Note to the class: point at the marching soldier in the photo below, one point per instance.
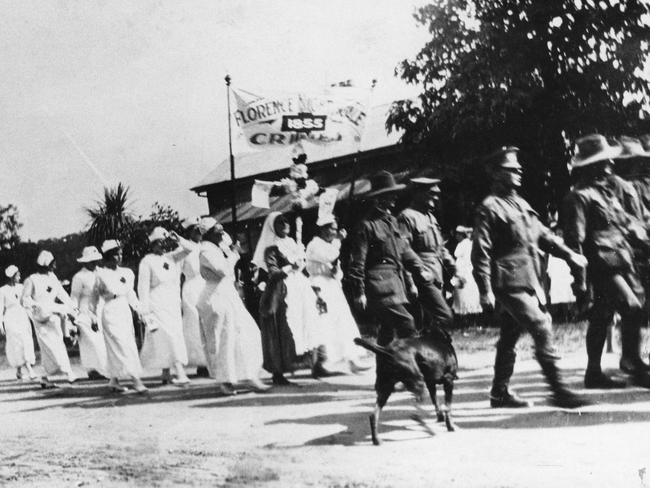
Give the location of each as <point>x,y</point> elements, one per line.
<point>597,224</point>
<point>505,254</point>
<point>378,257</point>
<point>420,228</point>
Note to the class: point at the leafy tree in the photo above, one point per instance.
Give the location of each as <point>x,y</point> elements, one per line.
<point>111,217</point>
<point>536,74</point>
<point>9,226</point>
<point>161,215</point>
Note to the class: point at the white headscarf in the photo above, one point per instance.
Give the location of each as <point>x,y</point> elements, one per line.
<point>287,246</point>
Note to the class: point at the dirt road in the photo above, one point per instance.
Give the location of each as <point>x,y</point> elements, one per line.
<point>317,435</point>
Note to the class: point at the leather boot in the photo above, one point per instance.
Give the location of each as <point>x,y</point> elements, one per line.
<point>631,361</point>
<point>504,365</point>
<point>565,398</point>
<point>508,399</point>
<point>596,379</point>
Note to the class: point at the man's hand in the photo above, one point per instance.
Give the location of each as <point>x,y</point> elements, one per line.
<point>487,301</point>
<point>361,302</point>
<point>577,261</point>
<point>343,234</point>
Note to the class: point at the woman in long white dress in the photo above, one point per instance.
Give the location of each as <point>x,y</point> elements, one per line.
<point>233,345</point>
<point>337,327</point>
<point>159,291</point>
<point>16,326</point>
<point>466,295</point>
<point>40,294</point>
<point>192,287</point>
<point>92,350</point>
<point>288,313</point>
<point>114,287</point>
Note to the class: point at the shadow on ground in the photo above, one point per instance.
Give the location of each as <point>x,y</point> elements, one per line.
<point>471,411</point>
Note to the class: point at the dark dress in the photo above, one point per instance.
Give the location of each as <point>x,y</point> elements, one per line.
<point>278,346</point>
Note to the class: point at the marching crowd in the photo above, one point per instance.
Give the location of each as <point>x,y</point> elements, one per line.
<point>396,269</point>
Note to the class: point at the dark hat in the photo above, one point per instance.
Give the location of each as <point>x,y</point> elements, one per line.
<point>383,182</point>
<point>631,147</point>
<point>504,158</point>
<point>425,183</point>
<point>592,149</point>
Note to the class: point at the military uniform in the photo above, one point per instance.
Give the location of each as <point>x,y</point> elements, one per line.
<point>378,258</point>
<point>597,223</point>
<point>506,247</point>
<point>422,232</point>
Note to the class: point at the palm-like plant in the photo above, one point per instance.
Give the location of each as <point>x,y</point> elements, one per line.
<point>111,218</point>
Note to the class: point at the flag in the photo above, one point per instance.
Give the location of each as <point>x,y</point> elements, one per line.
<point>260,194</point>
<point>326,202</point>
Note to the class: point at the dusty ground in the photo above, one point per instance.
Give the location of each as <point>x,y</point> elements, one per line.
<point>317,435</point>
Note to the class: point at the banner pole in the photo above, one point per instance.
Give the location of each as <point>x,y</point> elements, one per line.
<point>233,201</point>
<point>355,161</point>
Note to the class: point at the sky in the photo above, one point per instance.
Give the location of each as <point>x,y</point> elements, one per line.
<point>98,92</point>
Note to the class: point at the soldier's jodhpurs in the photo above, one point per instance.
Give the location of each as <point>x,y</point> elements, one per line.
<point>433,302</point>
<point>394,320</point>
<point>624,294</point>
<point>515,312</point>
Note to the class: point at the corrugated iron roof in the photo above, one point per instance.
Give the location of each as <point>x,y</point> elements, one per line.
<point>265,161</point>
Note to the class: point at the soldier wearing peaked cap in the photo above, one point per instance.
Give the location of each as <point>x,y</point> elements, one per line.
<point>420,228</point>
<point>597,224</point>
<point>505,255</point>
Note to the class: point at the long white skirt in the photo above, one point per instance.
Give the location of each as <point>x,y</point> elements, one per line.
<point>191,326</point>
<point>122,358</point>
<point>467,299</point>
<point>337,328</point>
<point>92,348</point>
<point>233,344</point>
<point>20,345</point>
<point>165,346</point>
<point>54,355</point>
<point>302,314</point>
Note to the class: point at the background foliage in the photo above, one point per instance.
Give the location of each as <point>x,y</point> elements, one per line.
<point>527,73</point>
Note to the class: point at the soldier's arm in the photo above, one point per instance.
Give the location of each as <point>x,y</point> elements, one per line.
<point>482,251</point>
<point>358,253</point>
<point>575,232</point>
<point>554,245</point>
<point>413,264</point>
<point>575,221</point>
<point>405,226</point>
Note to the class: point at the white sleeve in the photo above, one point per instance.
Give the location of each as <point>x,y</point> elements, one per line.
<point>76,288</point>
<point>144,284</point>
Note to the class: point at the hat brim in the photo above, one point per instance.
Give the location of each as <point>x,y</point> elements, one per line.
<point>90,260</point>
<point>623,157</point>
<point>384,191</point>
<point>610,153</point>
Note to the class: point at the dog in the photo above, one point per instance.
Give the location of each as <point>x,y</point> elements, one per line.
<point>418,362</point>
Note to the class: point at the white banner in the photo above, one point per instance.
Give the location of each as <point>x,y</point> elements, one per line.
<point>336,115</point>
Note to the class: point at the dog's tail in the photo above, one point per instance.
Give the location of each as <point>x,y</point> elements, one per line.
<point>372,346</point>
